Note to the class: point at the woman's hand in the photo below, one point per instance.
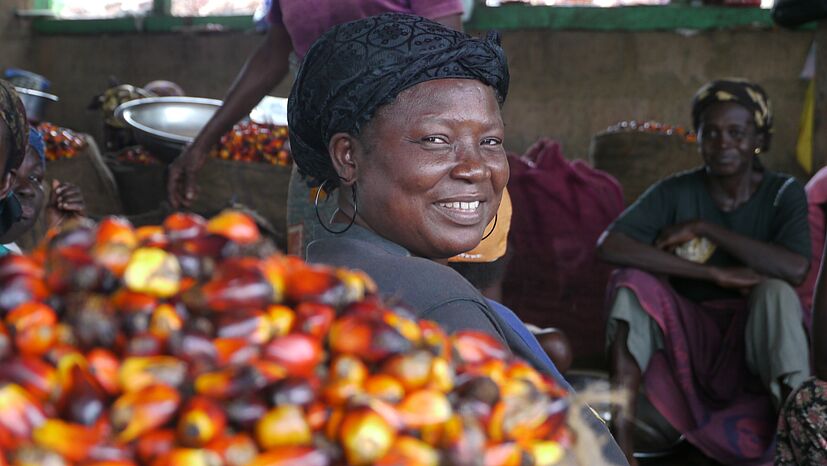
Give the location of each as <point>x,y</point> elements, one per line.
<point>675,235</point>
<point>65,201</point>
<point>741,278</point>
<point>181,186</point>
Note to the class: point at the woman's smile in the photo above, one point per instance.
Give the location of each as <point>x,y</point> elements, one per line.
<point>463,213</point>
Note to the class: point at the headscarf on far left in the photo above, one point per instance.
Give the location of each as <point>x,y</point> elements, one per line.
<point>13,115</point>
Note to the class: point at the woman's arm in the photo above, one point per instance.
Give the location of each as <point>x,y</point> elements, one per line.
<point>620,249</point>
<point>765,258</point>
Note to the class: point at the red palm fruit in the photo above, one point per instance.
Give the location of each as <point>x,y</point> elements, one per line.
<point>34,327</point>
<point>164,321</point>
<point>15,265</point>
<point>235,226</point>
<point>436,340</point>
<point>126,300</point>
<point>346,379</point>
<point>408,327</point>
<point>283,426</point>
<point>235,351</point>
<point>143,344</point>
<point>72,268</point>
<point>314,319</point>
<point>357,284</point>
<point>104,367</point>
<point>123,462</point>
<point>20,414</point>
<point>245,292</point>
<point>410,451</point>
<point>253,326</point>
<point>73,441</point>
<point>234,450</point>
<point>369,338</point>
<point>505,454</point>
<point>200,421</point>
<point>194,347</point>
<point>139,372</point>
<point>424,408</point>
<point>493,369</point>
<point>274,270</point>
<point>463,440</point>
<point>299,354</point>
<point>82,401</point>
<point>152,236</point>
<point>35,376</point>
<point>153,271</point>
<point>317,416</point>
<point>314,284</point>
<point>412,369</point>
<point>154,444</point>
<point>183,226</point>
<point>93,320</point>
<point>476,347</point>
<point>384,387</point>
<point>365,436</point>
<point>234,381</point>
<point>282,319</point>
<point>19,289</point>
<point>291,456</point>
<point>138,412</point>
<point>114,244</point>
<point>188,457</point>
<point>298,391</point>
<point>244,412</point>
<point>5,342</point>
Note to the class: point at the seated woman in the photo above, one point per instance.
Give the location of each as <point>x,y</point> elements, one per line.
<point>802,428</point>
<point>404,115</point>
<point>65,199</point>
<point>718,337</point>
<point>14,136</point>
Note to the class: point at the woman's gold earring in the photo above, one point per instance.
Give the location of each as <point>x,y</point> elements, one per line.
<point>757,150</point>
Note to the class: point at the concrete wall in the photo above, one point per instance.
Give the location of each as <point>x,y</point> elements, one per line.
<point>565,84</point>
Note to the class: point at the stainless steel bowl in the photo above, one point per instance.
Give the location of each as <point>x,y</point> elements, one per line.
<point>165,125</point>
<point>35,102</point>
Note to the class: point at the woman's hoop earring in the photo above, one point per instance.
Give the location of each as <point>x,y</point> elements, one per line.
<point>319,217</point>
<point>757,150</point>
<point>494,227</point>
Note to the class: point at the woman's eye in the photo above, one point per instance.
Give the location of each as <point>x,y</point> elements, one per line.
<point>435,140</point>
<point>35,179</point>
<point>491,142</point>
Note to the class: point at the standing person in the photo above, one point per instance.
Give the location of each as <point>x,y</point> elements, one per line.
<point>294,25</point>
<point>14,138</point>
<point>706,311</point>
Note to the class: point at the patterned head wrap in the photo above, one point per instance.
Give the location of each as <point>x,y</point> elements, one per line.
<point>14,116</point>
<point>742,92</point>
<point>36,143</point>
<point>354,68</point>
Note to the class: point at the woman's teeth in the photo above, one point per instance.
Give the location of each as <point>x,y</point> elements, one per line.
<point>473,205</point>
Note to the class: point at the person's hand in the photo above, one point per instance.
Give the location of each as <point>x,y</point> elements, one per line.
<point>181,187</point>
<point>675,235</point>
<point>65,201</point>
<point>740,278</point>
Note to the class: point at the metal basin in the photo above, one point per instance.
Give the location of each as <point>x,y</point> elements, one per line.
<point>271,110</point>
<point>165,125</point>
<point>35,102</point>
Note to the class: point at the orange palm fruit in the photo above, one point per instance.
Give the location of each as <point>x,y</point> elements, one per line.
<point>139,372</point>
<point>188,457</point>
<point>151,236</point>
<point>282,426</point>
<point>291,456</point>
<point>425,408</point>
<point>234,450</point>
<point>546,453</point>
<point>235,226</point>
<point>73,441</point>
<point>114,244</point>
<point>235,351</point>
<point>504,454</point>
<point>384,387</point>
<point>442,375</point>
<point>476,347</point>
<point>34,327</point>
<point>406,325</point>
<point>412,369</point>
<point>314,284</point>
<point>110,463</point>
<point>253,326</point>
<point>164,321</point>
<point>180,226</point>
<point>6,344</point>
<point>231,382</point>
<point>274,270</point>
<point>299,354</point>
<point>153,444</point>
<point>346,378</point>
<point>365,436</point>
<point>37,377</point>
<point>20,414</point>
<point>243,292</point>
<point>368,337</point>
<point>19,289</point>
<point>282,319</point>
<point>410,451</point>
<point>137,412</point>
<point>435,339</point>
<point>200,421</point>
<point>314,319</point>
<point>153,271</point>
<point>82,400</point>
<point>31,455</point>
<point>317,416</point>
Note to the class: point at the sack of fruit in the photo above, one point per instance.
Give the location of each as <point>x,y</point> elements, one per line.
<point>194,343</point>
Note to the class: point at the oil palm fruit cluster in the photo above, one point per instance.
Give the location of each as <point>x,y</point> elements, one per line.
<point>194,343</point>
<point>255,142</point>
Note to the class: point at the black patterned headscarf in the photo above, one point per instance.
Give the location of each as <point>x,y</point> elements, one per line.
<point>742,92</point>
<point>14,116</point>
<point>355,68</point>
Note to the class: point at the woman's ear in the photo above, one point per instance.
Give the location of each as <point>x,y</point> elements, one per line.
<point>760,140</point>
<point>341,148</point>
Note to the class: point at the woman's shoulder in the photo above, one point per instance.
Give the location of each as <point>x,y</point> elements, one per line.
<point>780,186</point>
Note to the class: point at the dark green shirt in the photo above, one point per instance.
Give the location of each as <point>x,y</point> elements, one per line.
<point>776,213</point>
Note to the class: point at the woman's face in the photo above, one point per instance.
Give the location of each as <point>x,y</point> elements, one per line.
<point>27,185</point>
<point>431,168</point>
<point>728,139</point>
